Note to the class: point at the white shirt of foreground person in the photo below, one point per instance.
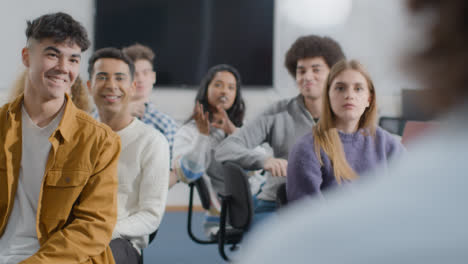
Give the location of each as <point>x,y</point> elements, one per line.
<point>417,214</point>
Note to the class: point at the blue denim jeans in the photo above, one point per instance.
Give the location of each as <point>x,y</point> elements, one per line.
<point>262,210</point>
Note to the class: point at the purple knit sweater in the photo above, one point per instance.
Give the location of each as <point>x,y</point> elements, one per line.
<point>363,153</point>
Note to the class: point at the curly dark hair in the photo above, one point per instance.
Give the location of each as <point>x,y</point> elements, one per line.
<point>441,64</point>
<point>60,27</point>
<point>139,52</point>
<point>237,111</point>
<point>313,46</point>
<point>110,53</point>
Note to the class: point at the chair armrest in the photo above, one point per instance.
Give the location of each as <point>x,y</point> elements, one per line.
<point>225,196</point>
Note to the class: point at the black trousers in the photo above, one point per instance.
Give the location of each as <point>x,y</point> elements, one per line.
<point>124,252</point>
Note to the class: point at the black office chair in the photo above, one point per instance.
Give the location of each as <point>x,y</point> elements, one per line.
<point>281,196</point>
<point>236,208</point>
<point>151,238</point>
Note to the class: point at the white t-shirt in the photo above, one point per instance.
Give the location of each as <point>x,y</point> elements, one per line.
<point>19,240</point>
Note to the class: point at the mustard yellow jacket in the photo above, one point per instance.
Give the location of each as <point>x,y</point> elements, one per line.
<point>77,208</point>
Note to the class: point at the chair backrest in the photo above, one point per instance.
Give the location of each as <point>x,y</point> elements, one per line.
<point>203,192</point>
<point>152,236</point>
<point>393,125</point>
<point>240,210</point>
<point>415,129</point>
<point>281,196</point>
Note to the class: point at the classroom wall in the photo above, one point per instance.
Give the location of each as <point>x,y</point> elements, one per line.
<point>375,32</point>
<point>13,17</point>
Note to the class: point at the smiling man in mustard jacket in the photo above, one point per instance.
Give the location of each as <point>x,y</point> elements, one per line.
<point>58,167</point>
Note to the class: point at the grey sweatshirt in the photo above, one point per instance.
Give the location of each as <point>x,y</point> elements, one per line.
<point>280,126</point>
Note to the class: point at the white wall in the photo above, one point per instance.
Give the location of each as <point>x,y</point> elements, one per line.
<point>376,33</point>
<point>13,17</point>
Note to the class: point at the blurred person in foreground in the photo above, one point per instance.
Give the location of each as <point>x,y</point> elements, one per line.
<point>415,215</point>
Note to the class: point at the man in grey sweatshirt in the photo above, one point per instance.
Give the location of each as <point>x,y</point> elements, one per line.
<point>308,61</point>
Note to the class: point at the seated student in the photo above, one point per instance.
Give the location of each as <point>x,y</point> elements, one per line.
<point>308,61</point>
<point>346,141</point>
<point>219,111</point>
<point>58,166</point>
<point>143,167</point>
<point>145,78</point>
<point>78,92</point>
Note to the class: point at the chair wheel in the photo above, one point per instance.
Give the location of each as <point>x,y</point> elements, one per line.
<point>234,247</point>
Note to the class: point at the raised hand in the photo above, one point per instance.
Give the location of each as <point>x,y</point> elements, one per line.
<point>221,120</point>
<point>137,109</point>
<point>202,119</point>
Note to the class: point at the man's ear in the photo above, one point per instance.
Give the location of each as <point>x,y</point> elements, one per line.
<point>154,78</point>
<point>88,83</point>
<point>133,88</point>
<point>25,56</point>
